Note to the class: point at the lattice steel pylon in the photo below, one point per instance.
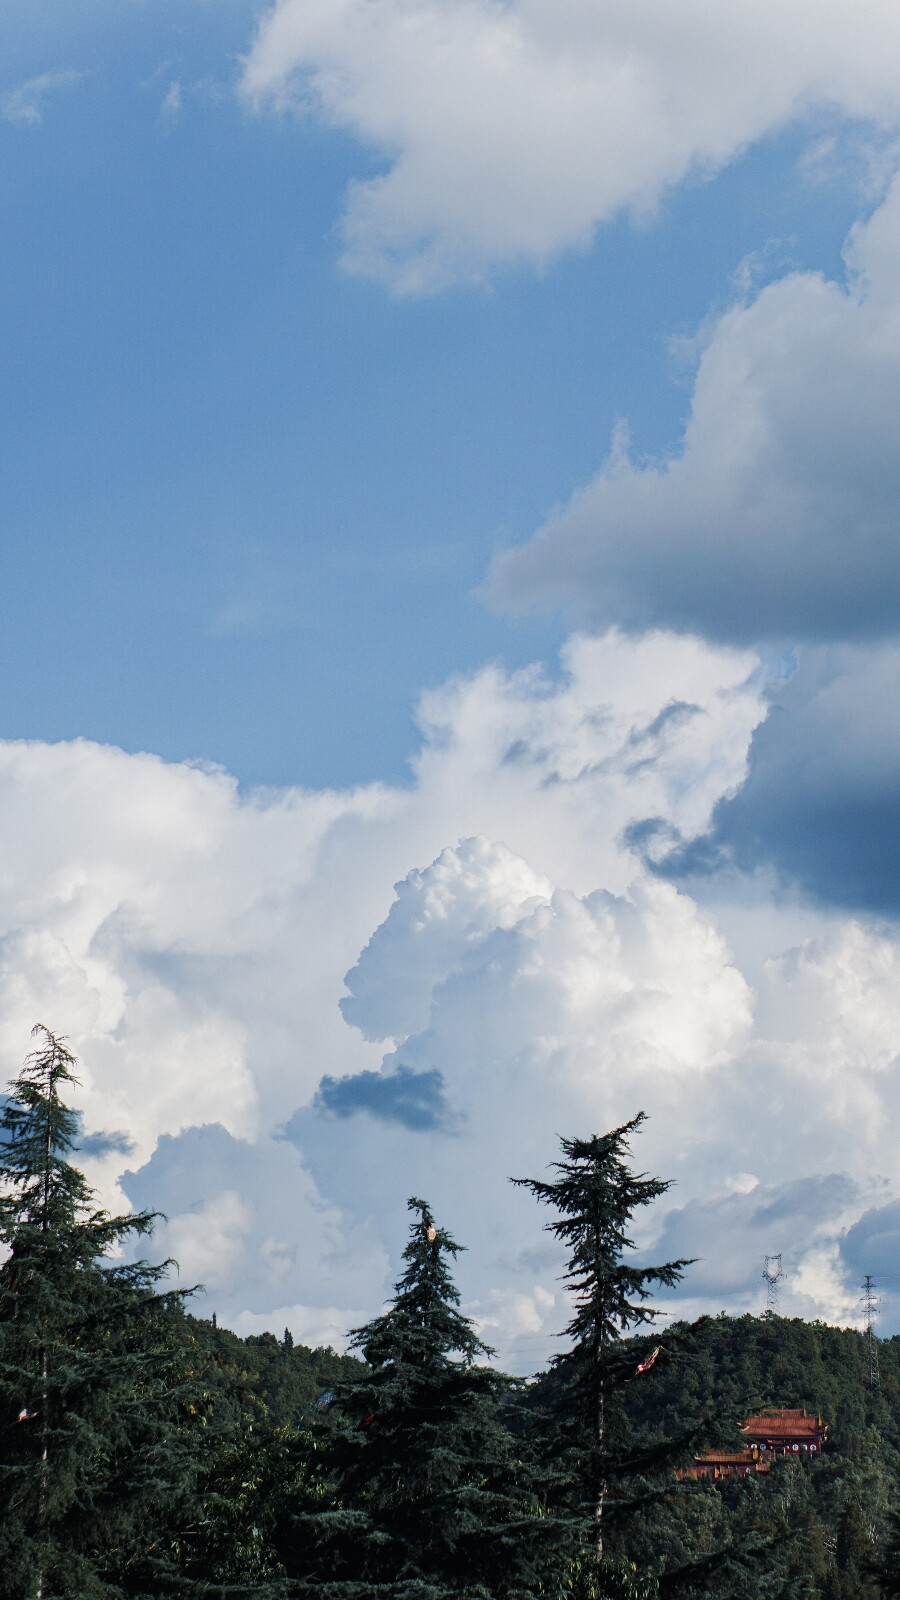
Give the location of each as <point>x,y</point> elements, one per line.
<point>869,1302</point>
<point>772,1275</point>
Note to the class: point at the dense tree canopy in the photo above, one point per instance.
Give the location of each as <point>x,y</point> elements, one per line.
<point>94,1391</point>
<point>596,1194</point>
<point>146,1453</point>
<point>434,1494</point>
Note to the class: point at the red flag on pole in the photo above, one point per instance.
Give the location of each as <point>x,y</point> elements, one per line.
<point>650,1360</point>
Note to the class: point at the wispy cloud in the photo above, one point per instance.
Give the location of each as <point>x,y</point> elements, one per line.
<point>172,102</point>
<point>249,615</point>
<point>25,104</point>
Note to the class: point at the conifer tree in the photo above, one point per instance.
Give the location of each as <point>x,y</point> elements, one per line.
<point>432,1493</point>
<point>596,1194</point>
<point>885,1567</point>
<point>90,1397</point>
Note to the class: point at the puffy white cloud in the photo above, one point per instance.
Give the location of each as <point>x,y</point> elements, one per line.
<point>583,1010</point>
<point>530,980</point>
<point>316,1326</point>
<point>608,993</point>
<point>511,1314</point>
<point>457,902</point>
<point>777,518</point>
<point>509,131</point>
<point>558,770</point>
<point>578,1014</point>
<point>208,1243</point>
<point>121,876</point>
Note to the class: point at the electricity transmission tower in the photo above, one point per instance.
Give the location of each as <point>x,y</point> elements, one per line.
<point>772,1275</point>
<point>869,1303</point>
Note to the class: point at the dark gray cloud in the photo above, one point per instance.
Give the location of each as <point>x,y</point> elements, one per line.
<point>872,1247</point>
<point>731,1234</point>
<point>414,1099</point>
<point>778,518</point>
<point>103,1144</point>
<point>88,1144</point>
<point>821,803</point>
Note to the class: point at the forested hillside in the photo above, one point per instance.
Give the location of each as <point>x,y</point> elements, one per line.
<point>830,1514</point>
<point>822,1521</point>
<point>280,1378</point>
<point>146,1454</point>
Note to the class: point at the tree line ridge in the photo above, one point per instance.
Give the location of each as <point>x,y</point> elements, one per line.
<point>147,1453</point>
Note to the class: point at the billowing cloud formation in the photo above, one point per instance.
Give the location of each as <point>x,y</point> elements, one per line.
<point>778,517</point>
<point>510,131</point>
<point>584,1009</point>
<point>729,1233</point>
<point>822,798</point>
<point>439,914</point>
<point>637,986</point>
<point>528,977</point>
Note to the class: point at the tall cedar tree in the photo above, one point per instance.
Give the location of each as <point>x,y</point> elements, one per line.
<point>596,1195</point>
<point>91,1403</point>
<point>885,1569</point>
<point>433,1495</point>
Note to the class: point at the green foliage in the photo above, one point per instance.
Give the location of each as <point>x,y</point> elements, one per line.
<point>142,1452</point>
<point>817,1526</point>
<point>259,1466</point>
<point>146,1453</point>
<point>94,1396</point>
<point>608,1471</point>
<point>433,1494</point>
<point>284,1380</point>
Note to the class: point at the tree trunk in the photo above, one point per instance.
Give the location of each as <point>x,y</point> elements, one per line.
<point>45,1385</point>
<point>602,1485</point>
<point>42,1484</point>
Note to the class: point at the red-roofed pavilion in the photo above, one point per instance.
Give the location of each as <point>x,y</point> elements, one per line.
<point>773,1432</point>
<point>785,1431</point>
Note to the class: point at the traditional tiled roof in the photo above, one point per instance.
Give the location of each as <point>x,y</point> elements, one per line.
<point>729,1458</point>
<point>786,1423</point>
<point>771,1433</point>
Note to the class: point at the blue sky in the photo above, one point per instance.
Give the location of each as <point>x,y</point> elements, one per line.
<point>449,600</point>
<point>252,498</point>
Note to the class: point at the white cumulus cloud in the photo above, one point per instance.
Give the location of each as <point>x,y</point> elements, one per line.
<point>526,978</point>
<point>777,516</point>
<point>509,131</point>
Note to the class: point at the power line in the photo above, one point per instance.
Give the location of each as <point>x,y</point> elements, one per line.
<point>869,1303</point>
<point>772,1275</point>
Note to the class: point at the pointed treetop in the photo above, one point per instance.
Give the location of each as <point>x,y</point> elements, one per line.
<point>426,1232</point>
<point>37,1132</point>
<point>596,1196</point>
<point>423,1325</point>
<point>42,1196</point>
<point>38,1085</point>
<point>596,1174</point>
